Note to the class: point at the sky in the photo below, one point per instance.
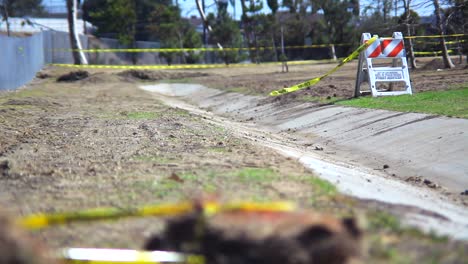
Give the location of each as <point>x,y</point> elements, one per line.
<point>189,7</point>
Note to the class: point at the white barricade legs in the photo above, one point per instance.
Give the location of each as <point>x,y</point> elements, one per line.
<point>382,79</point>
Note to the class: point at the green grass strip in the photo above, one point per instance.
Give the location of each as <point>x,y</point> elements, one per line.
<point>452,103</point>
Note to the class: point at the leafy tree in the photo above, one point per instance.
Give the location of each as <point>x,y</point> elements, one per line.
<point>19,8</point>
<point>375,24</point>
<point>249,22</point>
<point>457,20</point>
<point>226,32</point>
<point>457,17</point>
<point>113,17</point>
<point>273,5</point>
<point>440,26</point>
<point>265,27</point>
<point>119,18</point>
<point>337,20</point>
<point>165,24</point>
<point>168,26</point>
<point>191,39</point>
<point>296,28</point>
<point>296,6</point>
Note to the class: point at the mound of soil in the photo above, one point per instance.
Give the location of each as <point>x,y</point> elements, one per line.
<point>73,76</point>
<point>262,237</point>
<point>101,77</point>
<point>137,74</point>
<point>42,75</point>
<point>434,64</point>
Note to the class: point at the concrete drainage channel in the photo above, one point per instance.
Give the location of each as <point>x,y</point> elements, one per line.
<point>348,146</point>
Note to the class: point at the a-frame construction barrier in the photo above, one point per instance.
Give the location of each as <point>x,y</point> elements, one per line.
<point>383,48</point>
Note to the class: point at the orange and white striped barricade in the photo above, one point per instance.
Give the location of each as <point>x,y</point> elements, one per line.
<point>383,50</point>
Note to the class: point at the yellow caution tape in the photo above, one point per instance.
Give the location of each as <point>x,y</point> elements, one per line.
<point>316,80</point>
<point>438,42</point>
<point>436,36</point>
<point>430,52</point>
<point>235,49</point>
<point>186,66</point>
<point>37,221</point>
<point>153,67</point>
<point>199,49</point>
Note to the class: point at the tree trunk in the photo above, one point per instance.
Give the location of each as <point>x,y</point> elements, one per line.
<point>132,34</point>
<point>205,22</point>
<point>5,14</point>
<point>134,54</point>
<point>78,55</point>
<point>447,61</point>
<point>275,52</point>
<point>412,59</point>
<point>247,31</point>
<point>181,46</point>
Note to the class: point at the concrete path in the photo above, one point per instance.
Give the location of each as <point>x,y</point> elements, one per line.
<point>350,146</point>
<point>410,144</point>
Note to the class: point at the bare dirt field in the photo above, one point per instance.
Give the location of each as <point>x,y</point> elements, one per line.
<point>98,140</point>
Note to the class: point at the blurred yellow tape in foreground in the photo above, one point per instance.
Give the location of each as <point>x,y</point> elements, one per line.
<point>37,221</point>
<point>318,79</point>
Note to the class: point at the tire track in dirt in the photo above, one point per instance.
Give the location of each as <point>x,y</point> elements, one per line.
<point>402,125</point>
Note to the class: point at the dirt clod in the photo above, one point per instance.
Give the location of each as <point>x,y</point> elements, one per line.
<point>147,75</point>
<point>414,179</point>
<point>430,184</point>
<point>73,76</point>
<point>4,167</point>
<point>175,177</point>
<point>142,75</point>
<point>43,75</point>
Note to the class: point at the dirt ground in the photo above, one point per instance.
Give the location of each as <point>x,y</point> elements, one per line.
<point>100,141</point>
<point>429,76</point>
